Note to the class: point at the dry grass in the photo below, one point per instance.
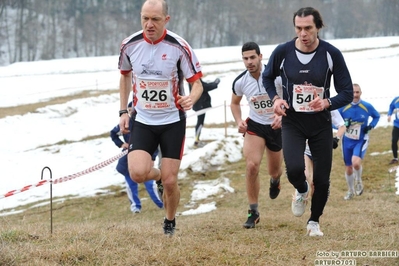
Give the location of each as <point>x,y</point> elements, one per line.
<point>101,230</point>
<point>31,108</point>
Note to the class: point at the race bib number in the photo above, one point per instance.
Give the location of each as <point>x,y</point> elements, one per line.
<point>261,104</point>
<point>154,94</point>
<point>353,131</point>
<point>303,95</point>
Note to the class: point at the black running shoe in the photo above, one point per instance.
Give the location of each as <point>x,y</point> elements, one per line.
<point>274,189</point>
<point>169,227</point>
<point>160,189</point>
<point>253,218</point>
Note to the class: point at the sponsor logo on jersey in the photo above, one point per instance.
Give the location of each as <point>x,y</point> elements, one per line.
<point>151,72</point>
<point>304,71</point>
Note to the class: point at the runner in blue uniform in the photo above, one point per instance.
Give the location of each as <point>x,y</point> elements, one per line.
<point>306,65</point>
<point>122,141</point>
<point>394,110</point>
<point>356,139</point>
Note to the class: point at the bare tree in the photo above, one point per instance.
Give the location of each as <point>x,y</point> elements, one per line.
<point>47,29</point>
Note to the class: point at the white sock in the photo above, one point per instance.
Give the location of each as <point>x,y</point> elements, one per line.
<point>359,173</point>
<point>349,181</point>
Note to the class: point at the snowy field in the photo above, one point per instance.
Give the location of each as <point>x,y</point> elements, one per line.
<point>29,141</point>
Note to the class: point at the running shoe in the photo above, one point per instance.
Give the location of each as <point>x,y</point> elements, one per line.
<point>136,210</point>
<point>169,227</point>
<point>359,188</point>
<point>274,189</point>
<point>299,201</point>
<point>253,218</point>
<point>199,144</point>
<point>160,189</point>
<point>349,195</point>
<point>393,161</point>
<point>313,229</point>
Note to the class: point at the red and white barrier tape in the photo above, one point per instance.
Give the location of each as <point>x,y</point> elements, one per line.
<point>25,188</point>
<point>203,111</point>
<point>88,170</point>
<point>101,165</point>
<point>65,178</point>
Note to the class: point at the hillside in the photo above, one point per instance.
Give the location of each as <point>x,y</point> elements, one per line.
<point>58,113</point>
<point>101,230</point>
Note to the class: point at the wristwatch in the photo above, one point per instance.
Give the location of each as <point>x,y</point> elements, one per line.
<point>275,98</point>
<point>329,102</point>
<point>121,112</point>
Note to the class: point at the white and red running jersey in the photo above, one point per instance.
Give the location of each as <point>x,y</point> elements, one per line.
<point>260,105</point>
<point>158,69</point>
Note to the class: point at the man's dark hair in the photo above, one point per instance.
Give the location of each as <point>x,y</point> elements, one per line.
<point>248,46</point>
<point>306,11</point>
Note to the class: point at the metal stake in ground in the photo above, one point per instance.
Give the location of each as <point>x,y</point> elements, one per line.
<point>51,196</point>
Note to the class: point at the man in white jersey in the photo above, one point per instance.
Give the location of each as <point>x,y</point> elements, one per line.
<point>261,129</point>
<point>155,61</point>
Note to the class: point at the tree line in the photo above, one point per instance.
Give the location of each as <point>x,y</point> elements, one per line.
<point>33,30</point>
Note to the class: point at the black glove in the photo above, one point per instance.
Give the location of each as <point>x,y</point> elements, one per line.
<point>367,129</point>
<point>348,122</point>
<point>335,142</point>
<point>217,81</point>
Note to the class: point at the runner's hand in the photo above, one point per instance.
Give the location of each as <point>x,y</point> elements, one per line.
<point>124,123</point>
<point>317,104</point>
<point>335,142</point>
<point>242,127</point>
<point>185,102</point>
<point>367,129</point>
<point>276,122</point>
<point>280,106</point>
